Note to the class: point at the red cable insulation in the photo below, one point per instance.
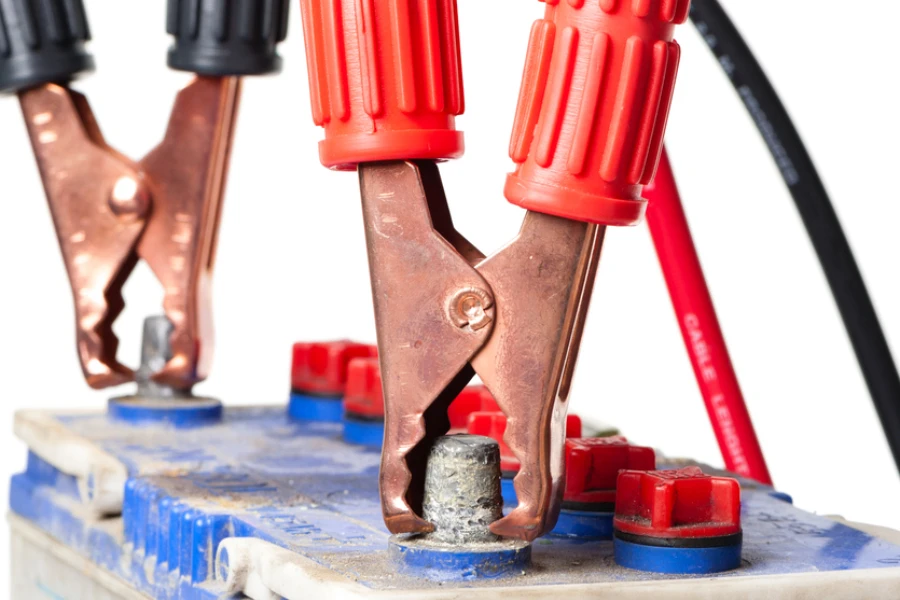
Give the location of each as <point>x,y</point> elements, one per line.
<point>700,328</point>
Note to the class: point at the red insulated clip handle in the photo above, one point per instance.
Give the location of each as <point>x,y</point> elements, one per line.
<point>593,107</point>
<point>385,79</point>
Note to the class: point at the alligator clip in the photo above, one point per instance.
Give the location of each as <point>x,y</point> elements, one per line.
<point>110,212</point>
<point>587,136</point>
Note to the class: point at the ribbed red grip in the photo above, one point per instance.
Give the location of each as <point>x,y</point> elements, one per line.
<point>385,79</point>
<point>593,107</point>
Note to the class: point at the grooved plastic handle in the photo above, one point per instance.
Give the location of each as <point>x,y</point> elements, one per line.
<point>593,107</point>
<point>226,37</point>
<point>385,79</point>
<point>42,41</point>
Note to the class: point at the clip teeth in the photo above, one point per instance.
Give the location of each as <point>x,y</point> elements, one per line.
<point>102,373</point>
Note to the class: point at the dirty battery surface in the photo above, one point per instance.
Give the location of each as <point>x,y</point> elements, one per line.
<point>300,511</point>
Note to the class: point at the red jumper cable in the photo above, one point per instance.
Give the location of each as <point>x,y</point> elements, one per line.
<point>700,328</point>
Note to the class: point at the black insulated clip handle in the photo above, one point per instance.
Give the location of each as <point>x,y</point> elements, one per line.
<point>227,37</point>
<point>42,41</point>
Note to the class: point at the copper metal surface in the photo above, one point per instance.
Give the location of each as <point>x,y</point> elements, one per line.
<point>80,174</point>
<point>444,313</point>
<point>109,212</point>
<point>539,281</point>
<point>186,176</point>
<point>415,272</point>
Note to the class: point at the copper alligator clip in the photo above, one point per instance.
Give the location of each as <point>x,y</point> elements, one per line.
<point>587,136</point>
<point>445,312</point>
<point>109,211</point>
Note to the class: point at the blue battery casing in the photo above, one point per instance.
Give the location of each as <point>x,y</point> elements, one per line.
<point>299,486</point>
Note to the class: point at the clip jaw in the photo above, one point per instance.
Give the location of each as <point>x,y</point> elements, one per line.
<point>97,225</point>
<point>109,212</point>
<point>419,282</point>
<point>514,318</point>
<point>186,175</point>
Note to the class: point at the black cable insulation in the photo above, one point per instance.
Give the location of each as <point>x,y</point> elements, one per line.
<point>816,211</point>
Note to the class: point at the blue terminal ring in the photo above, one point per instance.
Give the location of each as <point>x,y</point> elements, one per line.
<point>438,562</point>
<point>584,525</point>
<point>177,412</point>
<point>363,432</point>
<point>508,490</point>
<point>697,557</point>
<point>309,407</point>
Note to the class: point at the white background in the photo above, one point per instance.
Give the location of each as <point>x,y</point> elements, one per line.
<point>292,263</point>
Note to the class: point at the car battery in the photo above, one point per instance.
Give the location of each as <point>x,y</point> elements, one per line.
<point>262,505</point>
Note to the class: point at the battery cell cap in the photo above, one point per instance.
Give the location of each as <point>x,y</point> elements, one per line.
<point>320,368</point>
<point>474,398</point>
<point>593,466</point>
<point>493,425</point>
<point>677,504</point>
<point>363,396</point>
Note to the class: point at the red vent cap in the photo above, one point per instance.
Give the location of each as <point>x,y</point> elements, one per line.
<point>321,367</point>
<point>684,503</point>
<point>363,396</point>
<point>593,466</point>
<point>493,425</point>
<point>474,398</point>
